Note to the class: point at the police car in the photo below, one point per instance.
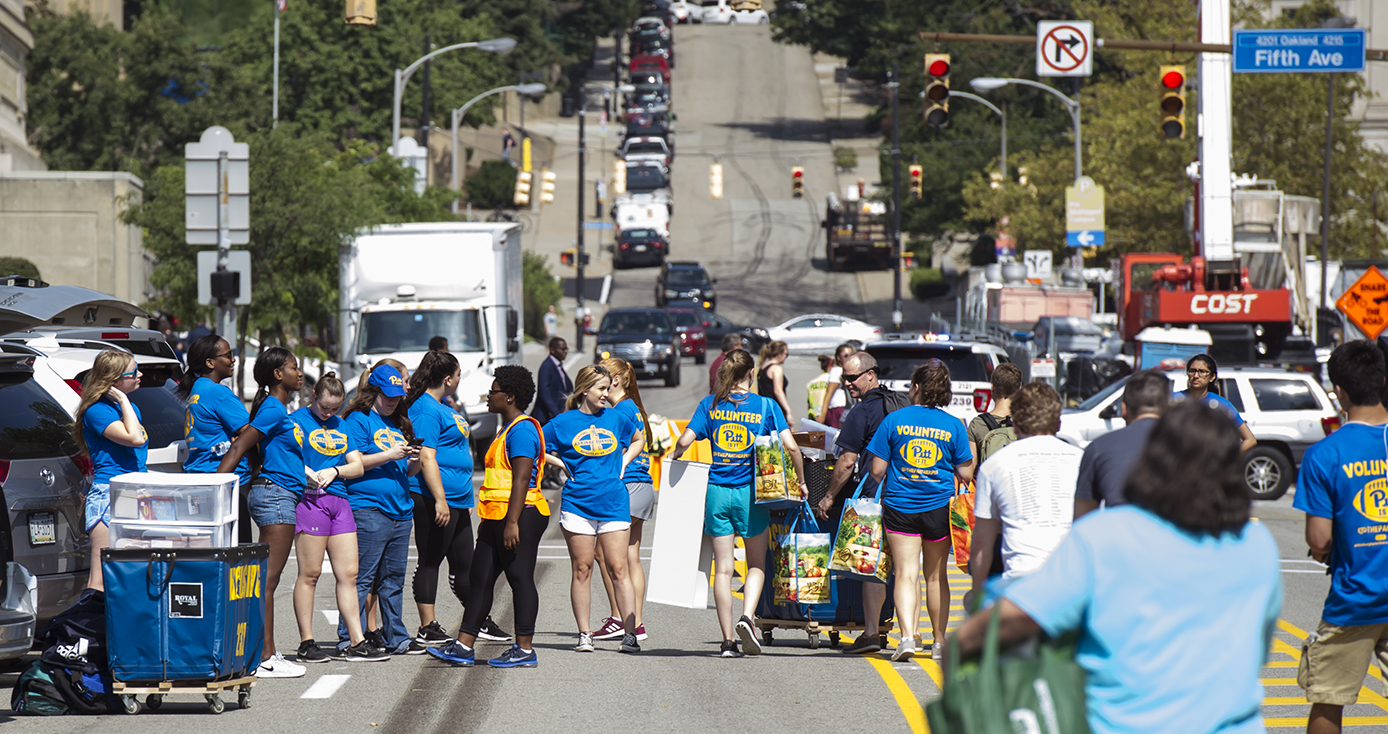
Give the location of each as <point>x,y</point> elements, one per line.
<point>971,363</point>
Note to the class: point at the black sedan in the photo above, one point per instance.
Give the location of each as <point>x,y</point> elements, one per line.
<point>716,327</point>
<point>640,247</point>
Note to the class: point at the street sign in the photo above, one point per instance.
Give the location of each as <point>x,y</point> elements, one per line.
<point>238,261</point>
<point>1042,368</point>
<point>1038,264</point>
<point>1273,51</point>
<point>205,178</point>
<point>1064,48</point>
<point>597,225</point>
<point>1084,213</point>
<point>1364,303</point>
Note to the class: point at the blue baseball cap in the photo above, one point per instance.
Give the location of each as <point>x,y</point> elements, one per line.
<point>388,379</point>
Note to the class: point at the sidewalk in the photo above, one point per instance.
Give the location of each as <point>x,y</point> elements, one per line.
<point>845,107</point>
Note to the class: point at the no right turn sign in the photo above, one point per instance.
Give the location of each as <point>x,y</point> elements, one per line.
<point>1064,48</point>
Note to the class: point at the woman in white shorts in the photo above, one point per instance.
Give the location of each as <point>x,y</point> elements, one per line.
<point>594,444</point>
<point>624,395</point>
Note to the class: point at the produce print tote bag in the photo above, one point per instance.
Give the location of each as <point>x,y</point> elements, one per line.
<point>860,547</point>
<point>961,525</point>
<point>774,479</point>
<point>801,574</point>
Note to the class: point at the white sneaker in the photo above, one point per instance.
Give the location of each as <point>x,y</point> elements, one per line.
<point>277,667</point>
<point>904,650</point>
<point>937,651</point>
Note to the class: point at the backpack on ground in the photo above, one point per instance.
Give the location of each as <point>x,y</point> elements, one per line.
<point>36,692</point>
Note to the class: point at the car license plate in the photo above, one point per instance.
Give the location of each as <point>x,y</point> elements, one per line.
<point>640,248</point>
<point>42,529</point>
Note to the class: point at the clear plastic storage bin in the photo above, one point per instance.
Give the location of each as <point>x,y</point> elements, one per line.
<point>174,499</point>
<point>142,535</point>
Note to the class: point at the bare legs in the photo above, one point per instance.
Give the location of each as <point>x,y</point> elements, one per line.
<point>342,552</point>
<point>634,568</point>
<point>100,537</point>
<point>281,538</point>
<point>582,551</point>
<point>723,564</point>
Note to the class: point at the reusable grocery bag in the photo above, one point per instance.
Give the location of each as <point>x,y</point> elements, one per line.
<point>961,525</point>
<point>859,547</point>
<point>1036,687</point>
<point>774,480</point>
<point>801,572</point>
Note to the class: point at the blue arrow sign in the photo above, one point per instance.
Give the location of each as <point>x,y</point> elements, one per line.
<point>1085,238</point>
<point>1274,51</point>
<point>597,225</point>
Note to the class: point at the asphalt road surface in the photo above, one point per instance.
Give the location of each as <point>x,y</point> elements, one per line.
<point>756,106</point>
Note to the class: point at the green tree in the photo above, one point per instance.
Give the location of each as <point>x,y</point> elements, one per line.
<point>493,186</point>
<point>541,292</point>
<point>19,266</point>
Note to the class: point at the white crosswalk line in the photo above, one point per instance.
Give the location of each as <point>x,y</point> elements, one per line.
<point>332,616</point>
<point>326,686</point>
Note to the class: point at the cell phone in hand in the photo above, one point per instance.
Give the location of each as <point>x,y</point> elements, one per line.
<point>417,442</point>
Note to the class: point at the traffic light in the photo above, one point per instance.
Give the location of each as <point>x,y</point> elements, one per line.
<point>917,184</point>
<point>570,258</point>
<point>1173,102</point>
<point>797,181</point>
<point>522,196</point>
<point>547,181</point>
<point>619,177</point>
<point>937,90</point>
<point>361,12</point>
<point>715,181</point>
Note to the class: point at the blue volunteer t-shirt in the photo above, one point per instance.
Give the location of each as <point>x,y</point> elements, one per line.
<point>281,445</point>
<point>591,447</point>
<point>730,427</point>
<point>1216,402</point>
<point>214,413</point>
<point>444,431</point>
<point>1114,577</point>
<point>110,459</point>
<point>639,470</point>
<point>325,445</point>
<point>387,487</point>
<point>1344,477</point>
<point>921,446</point>
<point>523,442</point>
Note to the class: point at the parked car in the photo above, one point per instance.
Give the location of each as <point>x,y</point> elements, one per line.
<point>971,364</point>
<point>1286,411</point>
<point>642,211</point>
<point>743,13</point>
<point>716,327</point>
<point>1073,335</point>
<point>648,178</point>
<point>648,149</point>
<point>681,280</point>
<point>820,331</point>
<point>645,338</point>
<point>693,340</point>
<point>647,64</point>
<point>640,246</point>
<point>649,25</point>
<point>686,12</point>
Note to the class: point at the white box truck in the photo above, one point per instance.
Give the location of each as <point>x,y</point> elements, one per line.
<point>404,284</point>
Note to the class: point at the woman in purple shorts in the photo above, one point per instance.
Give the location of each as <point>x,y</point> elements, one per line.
<point>324,523</point>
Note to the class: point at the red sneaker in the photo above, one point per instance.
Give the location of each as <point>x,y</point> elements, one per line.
<point>611,629</point>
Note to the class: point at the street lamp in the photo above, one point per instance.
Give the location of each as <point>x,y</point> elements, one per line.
<point>1000,113</point>
<point>501,46</point>
<point>987,84</point>
<point>461,112</point>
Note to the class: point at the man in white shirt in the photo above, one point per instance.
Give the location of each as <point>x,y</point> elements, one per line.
<point>1026,491</point>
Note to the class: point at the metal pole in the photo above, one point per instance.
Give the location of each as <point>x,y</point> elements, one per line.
<point>1075,116</point>
<point>578,251</point>
<point>1325,188</point>
<point>226,307</point>
<point>1004,142</point>
<point>896,200</point>
<point>275,113</point>
<point>395,111</point>
<point>424,116</point>
<point>456,118</point>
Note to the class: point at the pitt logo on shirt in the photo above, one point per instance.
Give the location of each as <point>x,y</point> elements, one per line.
<point>732,437</point>
<point>594,441</point>
<point>920,453</point>
<point>384,438</point>
<point>299,435</point>
<point>462,424</point>
<point>1372,500</point>
<point>328,442</point>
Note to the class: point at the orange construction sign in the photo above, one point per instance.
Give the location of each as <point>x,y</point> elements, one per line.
<point>1365,304</point>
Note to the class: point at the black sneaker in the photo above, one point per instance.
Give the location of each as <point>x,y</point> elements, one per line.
<point>729,650</point>
<point>376,639</point>
<point>864,645</point>
<point>310,652</point>
<point>431,635</point>
<point>415,648</point>
<point>492,631</point>
<point>365,652</point>
<point>629,644</point>
<point>748,633</point>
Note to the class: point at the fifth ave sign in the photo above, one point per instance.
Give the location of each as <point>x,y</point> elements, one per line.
<point>1271,51</point>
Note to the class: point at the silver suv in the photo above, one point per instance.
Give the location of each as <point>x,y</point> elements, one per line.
<point>1287,412</point>
<point>971,364</point>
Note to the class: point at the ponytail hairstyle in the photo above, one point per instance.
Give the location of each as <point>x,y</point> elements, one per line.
<point>435,369</point>
<point>329,386</point>
<point>772,351</point>
<point>587,378</point>
<point>109,366</point>
<point>269,360</point>
<point>932,384</point>
<point>621,369</point>
<point>735,368</point>
<point>203,350</point>
<point>366,375</point>
<point>365,402</point>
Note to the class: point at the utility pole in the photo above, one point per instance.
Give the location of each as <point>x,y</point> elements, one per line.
<point>896,198</point>
<point>275,112</point>
<point>578,251</point>
<point>1325,187</point>
<point>424,116</point>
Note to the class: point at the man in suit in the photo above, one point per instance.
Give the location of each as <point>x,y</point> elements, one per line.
<point>554,383</point>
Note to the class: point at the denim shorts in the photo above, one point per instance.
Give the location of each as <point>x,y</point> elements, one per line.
<point>98,505</point>
<point>272,504</point>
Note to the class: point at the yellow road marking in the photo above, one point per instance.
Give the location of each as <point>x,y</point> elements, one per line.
<point>910,707</point>
<point>1279,681</point>
<point>1348,721</point>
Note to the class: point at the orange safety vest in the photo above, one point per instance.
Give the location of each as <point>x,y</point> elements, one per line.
<point>495,495</point>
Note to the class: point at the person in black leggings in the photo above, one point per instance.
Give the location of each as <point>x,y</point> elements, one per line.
<point>514,516</point>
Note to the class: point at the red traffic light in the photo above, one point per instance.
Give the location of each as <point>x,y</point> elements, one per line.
<point>1173,79</point>
<point>798,173</point>
<point>938,67</point>
<point>917,171</point>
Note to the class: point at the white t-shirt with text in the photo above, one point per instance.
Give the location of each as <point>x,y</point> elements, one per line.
<point>1029,486</point>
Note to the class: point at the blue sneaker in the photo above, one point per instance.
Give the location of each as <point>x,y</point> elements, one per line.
<point>452,652</point>
<point>515,658</point>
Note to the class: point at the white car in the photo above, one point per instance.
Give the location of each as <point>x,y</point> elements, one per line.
<point>741,12</point>
<point>821,331</point>
<point>642,211</point>
<point>971,365</point>
<point>1286,411</point>
<point>686,12</point>
<point>648,23</point>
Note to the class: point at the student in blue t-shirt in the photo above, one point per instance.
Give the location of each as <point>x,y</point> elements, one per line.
<point>441,491</point>
<point>278,485</point>
<point>107,429</point>
<point>731,419</point>
<point>625,395</point>
<point>378,426</point>
<point>213,416</point>
<point>1175,595</point>
<point>920,449</point>
<point>594,444</point>
<point>1201,373</point>
<point>1342,487</point>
